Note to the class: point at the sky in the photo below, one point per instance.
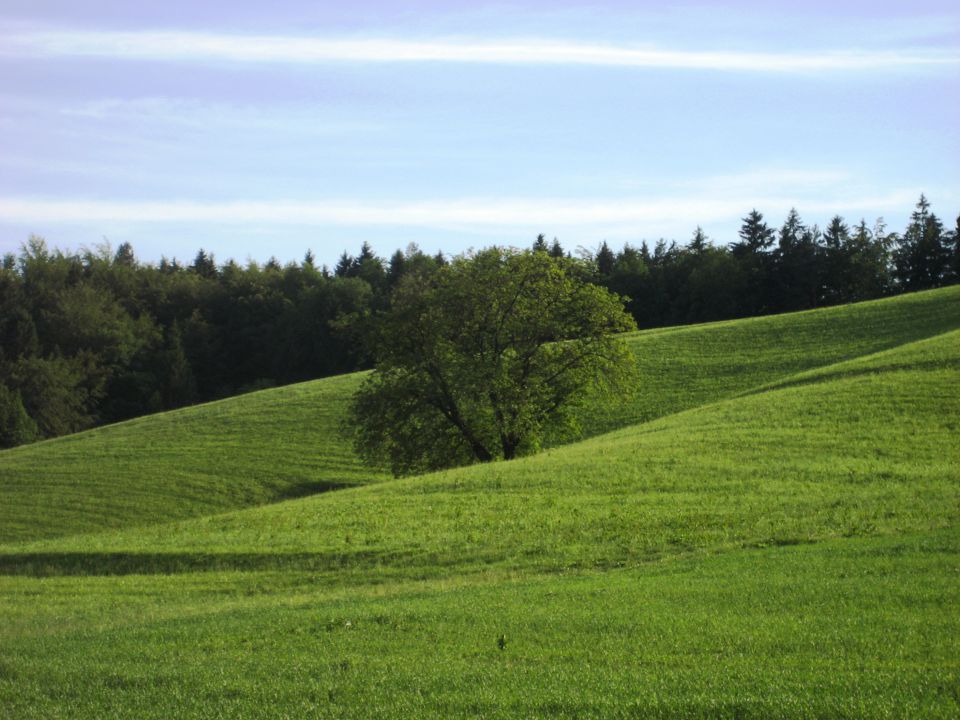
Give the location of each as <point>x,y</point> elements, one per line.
<point>258,130</point>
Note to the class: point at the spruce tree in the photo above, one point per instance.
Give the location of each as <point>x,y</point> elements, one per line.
<point>204,265</point>
<point>755,235</point>
<point>698,244</point>
<point>16,426</point>
<point>605,260</point>
<point>755,263</point>
<point>344,265</point>
<point>922,259</point>
<point>835,276</point>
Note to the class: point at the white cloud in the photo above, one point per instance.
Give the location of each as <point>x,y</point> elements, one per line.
<point>191,46</point>
<point>464,214</point>
<point>311,119</point>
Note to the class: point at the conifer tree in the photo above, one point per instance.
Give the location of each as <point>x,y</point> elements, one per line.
<point>344,265</point>
<point>755,263</point>
<point>755,235</point>
<point>698,244</point>
<point>922,258</point>
<point>605,260</point>
<point>204,265</point>
<point>16,426</point>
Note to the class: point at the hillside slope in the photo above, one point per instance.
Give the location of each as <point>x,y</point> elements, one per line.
<point>790,552</point>
<point>866,447</point>
<point>688,366</point>
<point>238,452</point>
<point>276,444</point>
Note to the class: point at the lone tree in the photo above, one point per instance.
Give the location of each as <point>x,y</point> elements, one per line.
<point>483,358</point>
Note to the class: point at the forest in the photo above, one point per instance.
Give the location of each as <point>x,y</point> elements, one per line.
<point>98,336</point>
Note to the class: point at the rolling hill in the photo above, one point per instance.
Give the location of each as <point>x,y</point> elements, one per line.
<point>769,529</point>
<point>861,447</point>
<point>282,443</point>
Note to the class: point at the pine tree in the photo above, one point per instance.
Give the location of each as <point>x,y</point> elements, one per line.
<point>755,263</point>
<point>344,265</point>
<point>396,267</point>
<point>605,260</point>
<point>922,259</point>
<point>834,278</point>
<point>179,386</point>
<point>16,426</point>
<point>124,255</point>
<point>366,254</point>
<point>698,244</point>
<point>796,265</point>
<point>204,265</point>
<point>755,235</point>
<point>955,263</point>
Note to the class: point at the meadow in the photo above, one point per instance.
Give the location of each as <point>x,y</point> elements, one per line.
<point>768,528</point>
<point>277,444</point>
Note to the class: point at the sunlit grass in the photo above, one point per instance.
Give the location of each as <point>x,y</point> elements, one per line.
<point>783,543</point>
<point>853,628</point>
<point>283,443</point>
<point>869,448</point>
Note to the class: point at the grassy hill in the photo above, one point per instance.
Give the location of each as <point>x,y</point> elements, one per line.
<point>780,543</point>
<point>684,367</point>
<point>239,452</point>
<point>283,443</point>
<point>862,447</point>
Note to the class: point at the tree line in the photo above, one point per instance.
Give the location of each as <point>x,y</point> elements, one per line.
<point>98,336</point>
<point>771,269</point>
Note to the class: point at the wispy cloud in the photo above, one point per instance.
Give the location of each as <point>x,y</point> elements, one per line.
<point>210,47</point>
<point>310,119</point>
<point>478,213</point>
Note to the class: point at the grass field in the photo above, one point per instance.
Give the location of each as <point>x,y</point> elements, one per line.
<point>779,537</point>
<point>853,628</point>
<point>239,452</point>
<point>283,443</point>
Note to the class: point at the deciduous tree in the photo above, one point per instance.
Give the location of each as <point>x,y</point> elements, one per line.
<point>483,358</point>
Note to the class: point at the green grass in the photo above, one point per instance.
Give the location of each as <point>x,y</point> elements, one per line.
<point>244,451</point>
<point>782,543</point>
<point>869,448</point>
<point>685,367</point>
<point>842,629</point>
<point>282,443</point>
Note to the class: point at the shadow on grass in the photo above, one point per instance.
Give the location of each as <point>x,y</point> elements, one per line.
<point>306,488</point>
<point>828,375</point>
<point>135,563</point>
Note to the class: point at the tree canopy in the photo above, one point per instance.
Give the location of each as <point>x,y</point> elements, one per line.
<point>98,335</point>
<point>483,358</point>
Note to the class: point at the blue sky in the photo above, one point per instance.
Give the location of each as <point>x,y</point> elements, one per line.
<point>256,131</point>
